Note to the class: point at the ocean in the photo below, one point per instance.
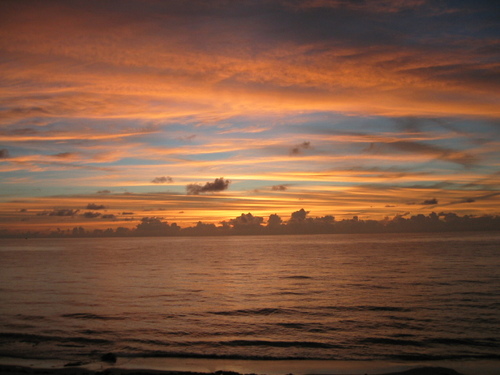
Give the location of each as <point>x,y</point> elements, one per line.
<point>387,297</point>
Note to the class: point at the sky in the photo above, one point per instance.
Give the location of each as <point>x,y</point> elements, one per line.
<point>111,111</point>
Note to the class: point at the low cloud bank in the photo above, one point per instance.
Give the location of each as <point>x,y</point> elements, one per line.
<point>299,223</point>
<point>93,206</point>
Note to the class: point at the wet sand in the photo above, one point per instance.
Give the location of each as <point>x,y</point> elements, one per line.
<point>23,370</point>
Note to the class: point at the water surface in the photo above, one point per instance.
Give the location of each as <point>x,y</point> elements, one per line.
<point>405,297</point>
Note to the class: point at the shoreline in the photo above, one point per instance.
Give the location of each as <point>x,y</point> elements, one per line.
<point>27,370</point>
<point>186,366</point>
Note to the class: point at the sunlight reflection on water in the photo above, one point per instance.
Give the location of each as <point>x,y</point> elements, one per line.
<point>318,297</point>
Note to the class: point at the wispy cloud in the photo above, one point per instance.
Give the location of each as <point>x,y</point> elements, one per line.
<point>352,103</point>
<point>150,59</point>
<point>93,206</point>
<point>297,150</point>
<point>441,153</point>
<point>162,180</point>
<point>279,187</point>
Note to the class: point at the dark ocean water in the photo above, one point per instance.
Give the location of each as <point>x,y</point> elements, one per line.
<point>408,297</point>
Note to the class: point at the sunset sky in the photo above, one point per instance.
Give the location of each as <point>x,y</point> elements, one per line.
<point>201,110</point>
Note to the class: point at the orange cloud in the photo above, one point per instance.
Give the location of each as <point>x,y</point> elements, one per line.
<point>310,95</point>
<point>117,67</point>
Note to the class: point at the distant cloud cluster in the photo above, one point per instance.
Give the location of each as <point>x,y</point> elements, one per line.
<point>93,206</point>
<point>279,187</point>
<point>299,215</point>
<point>91,215</point>
<point>4,153</point>
<point>387,146</point>
<point>299,223</point>
<point>297,150</point>
<point>59,212</point>
<point>219,184</point>
<point>162,180</point>
<point>430,201</point>
<point>64,155</point>
<point>246,220</point>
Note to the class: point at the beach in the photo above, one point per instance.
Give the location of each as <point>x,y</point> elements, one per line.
<point>21,370</point>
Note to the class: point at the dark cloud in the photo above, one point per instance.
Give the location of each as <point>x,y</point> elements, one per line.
<point>104,192</point>
<point>246,219</point>
<point>247,224</point>
<point>279,188</point>
<point>478,75</point>
<point>59,212</point>
<point>162,180</point>
<point>301,21</point>
<point>219,184</point>
<point>274,221</point>
<point>481,197</point>
<point>91,215</point>
<point>152,225</point>
<point>64,155</point>
<point>297,150</point>
<point>375,6</point>
<point>437,152</point>
<point>4,153</point>
<point>472,199</point>
<point>93,206</point>
<point>299,215</point>
<point>299,223</point>
<point>429,201</point>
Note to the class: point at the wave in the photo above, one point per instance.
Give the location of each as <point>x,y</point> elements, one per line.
<point>297,277</point>
<point>433,357</point>
<point>300,310</point>
<point>262,311</point>
<point>410,349</point>
<point>91,316</point>
<point>279,344</point>
<point>336,356</point>
<point>388,341</point>
<point>30,317</point>
<point>291,293</point>
<point>486,342</point>
<point>173,354</point>
<point>368,308</point>
<point>35,339</point>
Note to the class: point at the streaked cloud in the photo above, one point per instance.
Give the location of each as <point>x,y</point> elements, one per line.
<point>352,103</point>
<point>93,206</point>
<point>162,180</point>
<point>432,201</point>
<point>279,187</point>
